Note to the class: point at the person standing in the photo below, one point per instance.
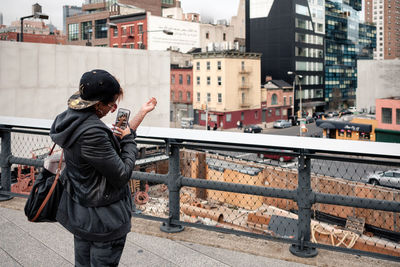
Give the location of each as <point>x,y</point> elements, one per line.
<point>96,205</point>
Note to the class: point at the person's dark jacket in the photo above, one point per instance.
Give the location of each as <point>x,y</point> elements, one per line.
<point>96,203</point>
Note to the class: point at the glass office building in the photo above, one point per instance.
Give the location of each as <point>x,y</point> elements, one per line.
<point>346,41</point>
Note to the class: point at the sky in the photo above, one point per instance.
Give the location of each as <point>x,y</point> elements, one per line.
<point>14,9</point>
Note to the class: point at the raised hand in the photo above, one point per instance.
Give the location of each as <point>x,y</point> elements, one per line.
<point>149,105</point>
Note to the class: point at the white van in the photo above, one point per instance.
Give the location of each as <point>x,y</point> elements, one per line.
<point>187,123</point>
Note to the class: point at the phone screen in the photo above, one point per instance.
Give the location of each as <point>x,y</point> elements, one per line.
<point>122,118</point>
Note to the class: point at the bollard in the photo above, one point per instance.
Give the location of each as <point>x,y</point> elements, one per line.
<point>5,164</point>
<point>174,187</point>
<point>304,202</point>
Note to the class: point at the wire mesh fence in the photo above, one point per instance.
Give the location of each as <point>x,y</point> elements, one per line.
<point>340,190</point>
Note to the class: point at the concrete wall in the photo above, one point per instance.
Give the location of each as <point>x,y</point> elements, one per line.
<point>376,79</point>
<point>37,79</point>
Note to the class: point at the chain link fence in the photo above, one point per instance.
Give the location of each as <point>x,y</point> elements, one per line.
<point>310,199</point>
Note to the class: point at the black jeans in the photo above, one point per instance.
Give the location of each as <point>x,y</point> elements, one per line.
<point>96,254</point>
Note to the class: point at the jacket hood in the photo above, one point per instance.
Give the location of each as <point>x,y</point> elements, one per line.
<point>66,127</point>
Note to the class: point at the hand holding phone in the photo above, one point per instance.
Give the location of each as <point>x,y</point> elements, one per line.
<point>122,120</point>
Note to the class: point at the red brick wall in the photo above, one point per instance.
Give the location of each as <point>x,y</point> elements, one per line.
<point>249,118</point>
<point>184,87</point>
<point>34,38</point>
<point>126,39</point>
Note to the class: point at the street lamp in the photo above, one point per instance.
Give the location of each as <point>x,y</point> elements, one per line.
<point>36,15</point>
<point>297,80</point>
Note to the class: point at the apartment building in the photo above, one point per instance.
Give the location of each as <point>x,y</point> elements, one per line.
<point>226,86</point>
<point>385,14</point>
<point>91,26</point>
<point>181,93</point>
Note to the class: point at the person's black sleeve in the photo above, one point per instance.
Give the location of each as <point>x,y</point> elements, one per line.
<point>98,151</point>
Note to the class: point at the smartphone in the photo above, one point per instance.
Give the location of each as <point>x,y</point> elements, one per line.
<point>122,118</point>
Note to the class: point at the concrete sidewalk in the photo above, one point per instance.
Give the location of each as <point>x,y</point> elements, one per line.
<point>48,244</point>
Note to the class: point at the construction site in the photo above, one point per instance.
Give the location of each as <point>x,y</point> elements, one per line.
<point>356,228</point>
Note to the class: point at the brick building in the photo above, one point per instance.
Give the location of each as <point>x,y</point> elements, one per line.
<point>92,26</point>
<point>35,31</point>
<point>276,100</point>
<point>33,38</point>
<point>386,16</point>
<point>128,31</point>
<point>181,93</point>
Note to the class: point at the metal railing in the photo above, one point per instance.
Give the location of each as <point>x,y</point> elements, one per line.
<point>309,192</point>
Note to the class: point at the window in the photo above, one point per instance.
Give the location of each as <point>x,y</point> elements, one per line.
<point>274,99</point>
<point>86,30</point>
<point>219,98</point>
<point>140,28</point>
<point>219,65</point>
<point>197,65</point>
<point>219,81</point>
<point>228,117</point>
<point>173,78</point>
<point>242,65</point>
<point>242,116</point>
<point>115,32</point>
<point>180,95</point>
<point>387,115</point>
<point>172,95</point>
<point>290,100</point>
<point>224,36</point>
<point>188,96</point>
<point>198,96</point>
<point>208,80</point>
<point>198,80</point>
<point>208,97</point>
<point>284,100</point>
<point>277,112</point>
<point>302,10</point>
<point>256,114</point>
<point>207,35</point>
<point>101,28</point>
<point>188,79</point>
<point>243,98</point>
<point>73,32</point>
<point>180,79</point>
<point>397,116</point>
<point>123,30</point>
<point>348,133</point>
<point>208,65</point>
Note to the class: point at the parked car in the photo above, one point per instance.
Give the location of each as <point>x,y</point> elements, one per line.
<point>252,129</point>
<point>318,115</point>
<point>332,114</point>
<point>280,157</point>
<point>390,178</point>
<point>282,124</point>
<point>352,109</point>
<point>345,112</point>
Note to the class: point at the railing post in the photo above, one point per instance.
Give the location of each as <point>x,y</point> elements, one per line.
<point>4,163</point>
<point>174,187</point>
<point>304,202</point>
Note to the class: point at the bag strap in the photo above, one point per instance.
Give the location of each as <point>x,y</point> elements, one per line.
<point>53,186</point>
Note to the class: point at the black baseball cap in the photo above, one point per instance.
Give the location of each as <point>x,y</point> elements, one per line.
<point>94,86</point>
